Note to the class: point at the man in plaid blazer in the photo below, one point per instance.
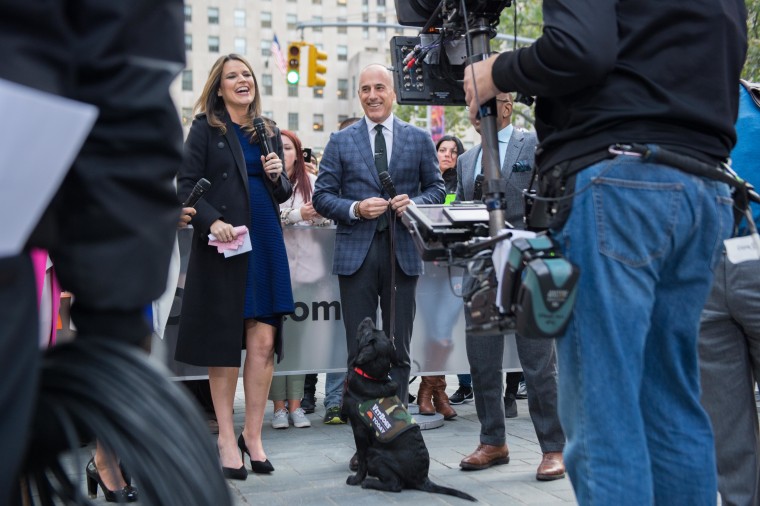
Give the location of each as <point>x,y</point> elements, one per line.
<point>348,190</point>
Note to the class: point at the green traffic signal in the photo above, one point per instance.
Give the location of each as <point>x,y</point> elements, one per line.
<point>294,64</point>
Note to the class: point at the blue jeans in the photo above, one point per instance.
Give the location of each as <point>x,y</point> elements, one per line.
<point>334,388</point>
<point>646,238</point>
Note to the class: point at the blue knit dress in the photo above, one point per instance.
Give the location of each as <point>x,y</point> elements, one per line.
<point>268,294</point>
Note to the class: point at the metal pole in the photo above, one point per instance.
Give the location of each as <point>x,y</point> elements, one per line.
<point>494,187</point>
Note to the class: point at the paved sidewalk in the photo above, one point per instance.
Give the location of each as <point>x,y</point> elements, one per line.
<point>311,464</point>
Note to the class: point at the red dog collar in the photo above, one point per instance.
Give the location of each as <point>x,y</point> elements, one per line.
<point>362,373</point>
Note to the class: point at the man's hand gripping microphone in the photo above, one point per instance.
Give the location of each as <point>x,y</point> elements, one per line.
<point>387,182</point>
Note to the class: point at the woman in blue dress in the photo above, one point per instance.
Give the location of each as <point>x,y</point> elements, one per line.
<point>237,301</point>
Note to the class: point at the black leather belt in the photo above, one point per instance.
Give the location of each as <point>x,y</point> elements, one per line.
<point>651,153</point>
<point>657,154</point>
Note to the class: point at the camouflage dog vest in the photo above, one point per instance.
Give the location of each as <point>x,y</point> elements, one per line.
<point>387,417</point>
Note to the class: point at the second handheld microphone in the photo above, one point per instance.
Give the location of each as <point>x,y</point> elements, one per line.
<point>261,134</point>
<point>201,187</point>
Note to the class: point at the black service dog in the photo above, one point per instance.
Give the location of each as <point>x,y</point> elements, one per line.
<point>397,458</point>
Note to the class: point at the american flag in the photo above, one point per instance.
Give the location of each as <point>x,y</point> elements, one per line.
<point>279,58</point>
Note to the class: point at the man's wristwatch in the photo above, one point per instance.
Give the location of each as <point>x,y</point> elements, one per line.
<point>357,214</point>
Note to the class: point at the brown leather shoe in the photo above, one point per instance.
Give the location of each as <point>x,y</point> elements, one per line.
<point>552,467</point>
<point>485,456</point>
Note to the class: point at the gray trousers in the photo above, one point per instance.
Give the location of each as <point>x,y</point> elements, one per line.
<point>539,363</point>
<point>287,387</point>
<point>729,354</point>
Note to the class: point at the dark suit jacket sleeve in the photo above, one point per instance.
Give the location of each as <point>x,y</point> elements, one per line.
<point>192,169</point>
<point>432,189</point>
<point>327,198</point>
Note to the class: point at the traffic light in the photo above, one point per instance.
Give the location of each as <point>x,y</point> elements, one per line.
<point>293,75</point>
<point>316,69</point>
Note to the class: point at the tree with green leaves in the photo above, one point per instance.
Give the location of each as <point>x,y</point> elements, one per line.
<point>752,65</point>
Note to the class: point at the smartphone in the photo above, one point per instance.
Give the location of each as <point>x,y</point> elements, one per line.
<point>307,155</point>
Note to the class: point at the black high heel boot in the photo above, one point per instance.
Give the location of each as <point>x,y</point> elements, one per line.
<point>257,466</point>
<point>126,494</point>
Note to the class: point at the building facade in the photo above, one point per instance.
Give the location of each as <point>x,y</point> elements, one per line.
<point>248,27</point>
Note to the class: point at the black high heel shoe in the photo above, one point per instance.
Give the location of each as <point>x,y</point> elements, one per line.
<point>126,494</point>
<point>231,473</point>
<point>257,466</point>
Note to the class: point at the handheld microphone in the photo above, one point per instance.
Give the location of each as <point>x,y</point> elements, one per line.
<point>261,133</point>
<point>201,187</point>
<point>477,192</point>
<point>387,182</point>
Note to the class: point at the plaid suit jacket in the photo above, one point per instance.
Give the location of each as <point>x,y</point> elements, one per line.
<point>347,174</point>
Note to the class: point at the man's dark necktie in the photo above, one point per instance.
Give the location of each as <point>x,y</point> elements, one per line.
<point>381,164</point>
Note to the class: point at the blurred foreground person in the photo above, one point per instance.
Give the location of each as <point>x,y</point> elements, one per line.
<point>109,231</point>
<point>626,120</point>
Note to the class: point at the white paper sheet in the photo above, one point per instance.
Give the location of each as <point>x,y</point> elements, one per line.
<point>40,136</point>
<point>743,249</point>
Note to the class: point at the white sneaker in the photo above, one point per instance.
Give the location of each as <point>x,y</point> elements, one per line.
<point>280,419</point>
<point>522,391</point>
<point>298,417</point>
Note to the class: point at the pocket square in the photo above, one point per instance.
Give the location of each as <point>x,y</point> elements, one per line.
<point>521,166</point>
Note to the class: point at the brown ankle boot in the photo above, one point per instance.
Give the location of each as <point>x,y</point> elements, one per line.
<point>440,399</point>
<point>425,396</point>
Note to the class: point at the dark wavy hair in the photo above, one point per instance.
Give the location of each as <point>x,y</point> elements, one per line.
<point>460,146</point>
<point>213,105</point>
<point>300,177</point>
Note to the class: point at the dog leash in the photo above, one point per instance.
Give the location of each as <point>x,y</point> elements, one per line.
<point>392,228</point>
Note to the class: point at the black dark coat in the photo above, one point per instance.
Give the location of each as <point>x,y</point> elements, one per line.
<point>211,329</point>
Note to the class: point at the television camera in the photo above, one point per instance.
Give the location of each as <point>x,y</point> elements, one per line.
<point>429,69</point>
<point>516,281</point>
<point>529,287</point>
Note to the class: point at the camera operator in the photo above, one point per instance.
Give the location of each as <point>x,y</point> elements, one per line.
<point>484,353</point>
<point>645,234</point>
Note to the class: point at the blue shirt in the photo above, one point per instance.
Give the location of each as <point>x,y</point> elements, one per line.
<point>504,135</point>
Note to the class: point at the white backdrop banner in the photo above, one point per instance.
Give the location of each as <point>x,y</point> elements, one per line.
<point>315,339</point>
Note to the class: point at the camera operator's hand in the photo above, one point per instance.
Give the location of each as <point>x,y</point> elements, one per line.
<point>371,208</point>
<point>482,81</point>
<point>399,203</point>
